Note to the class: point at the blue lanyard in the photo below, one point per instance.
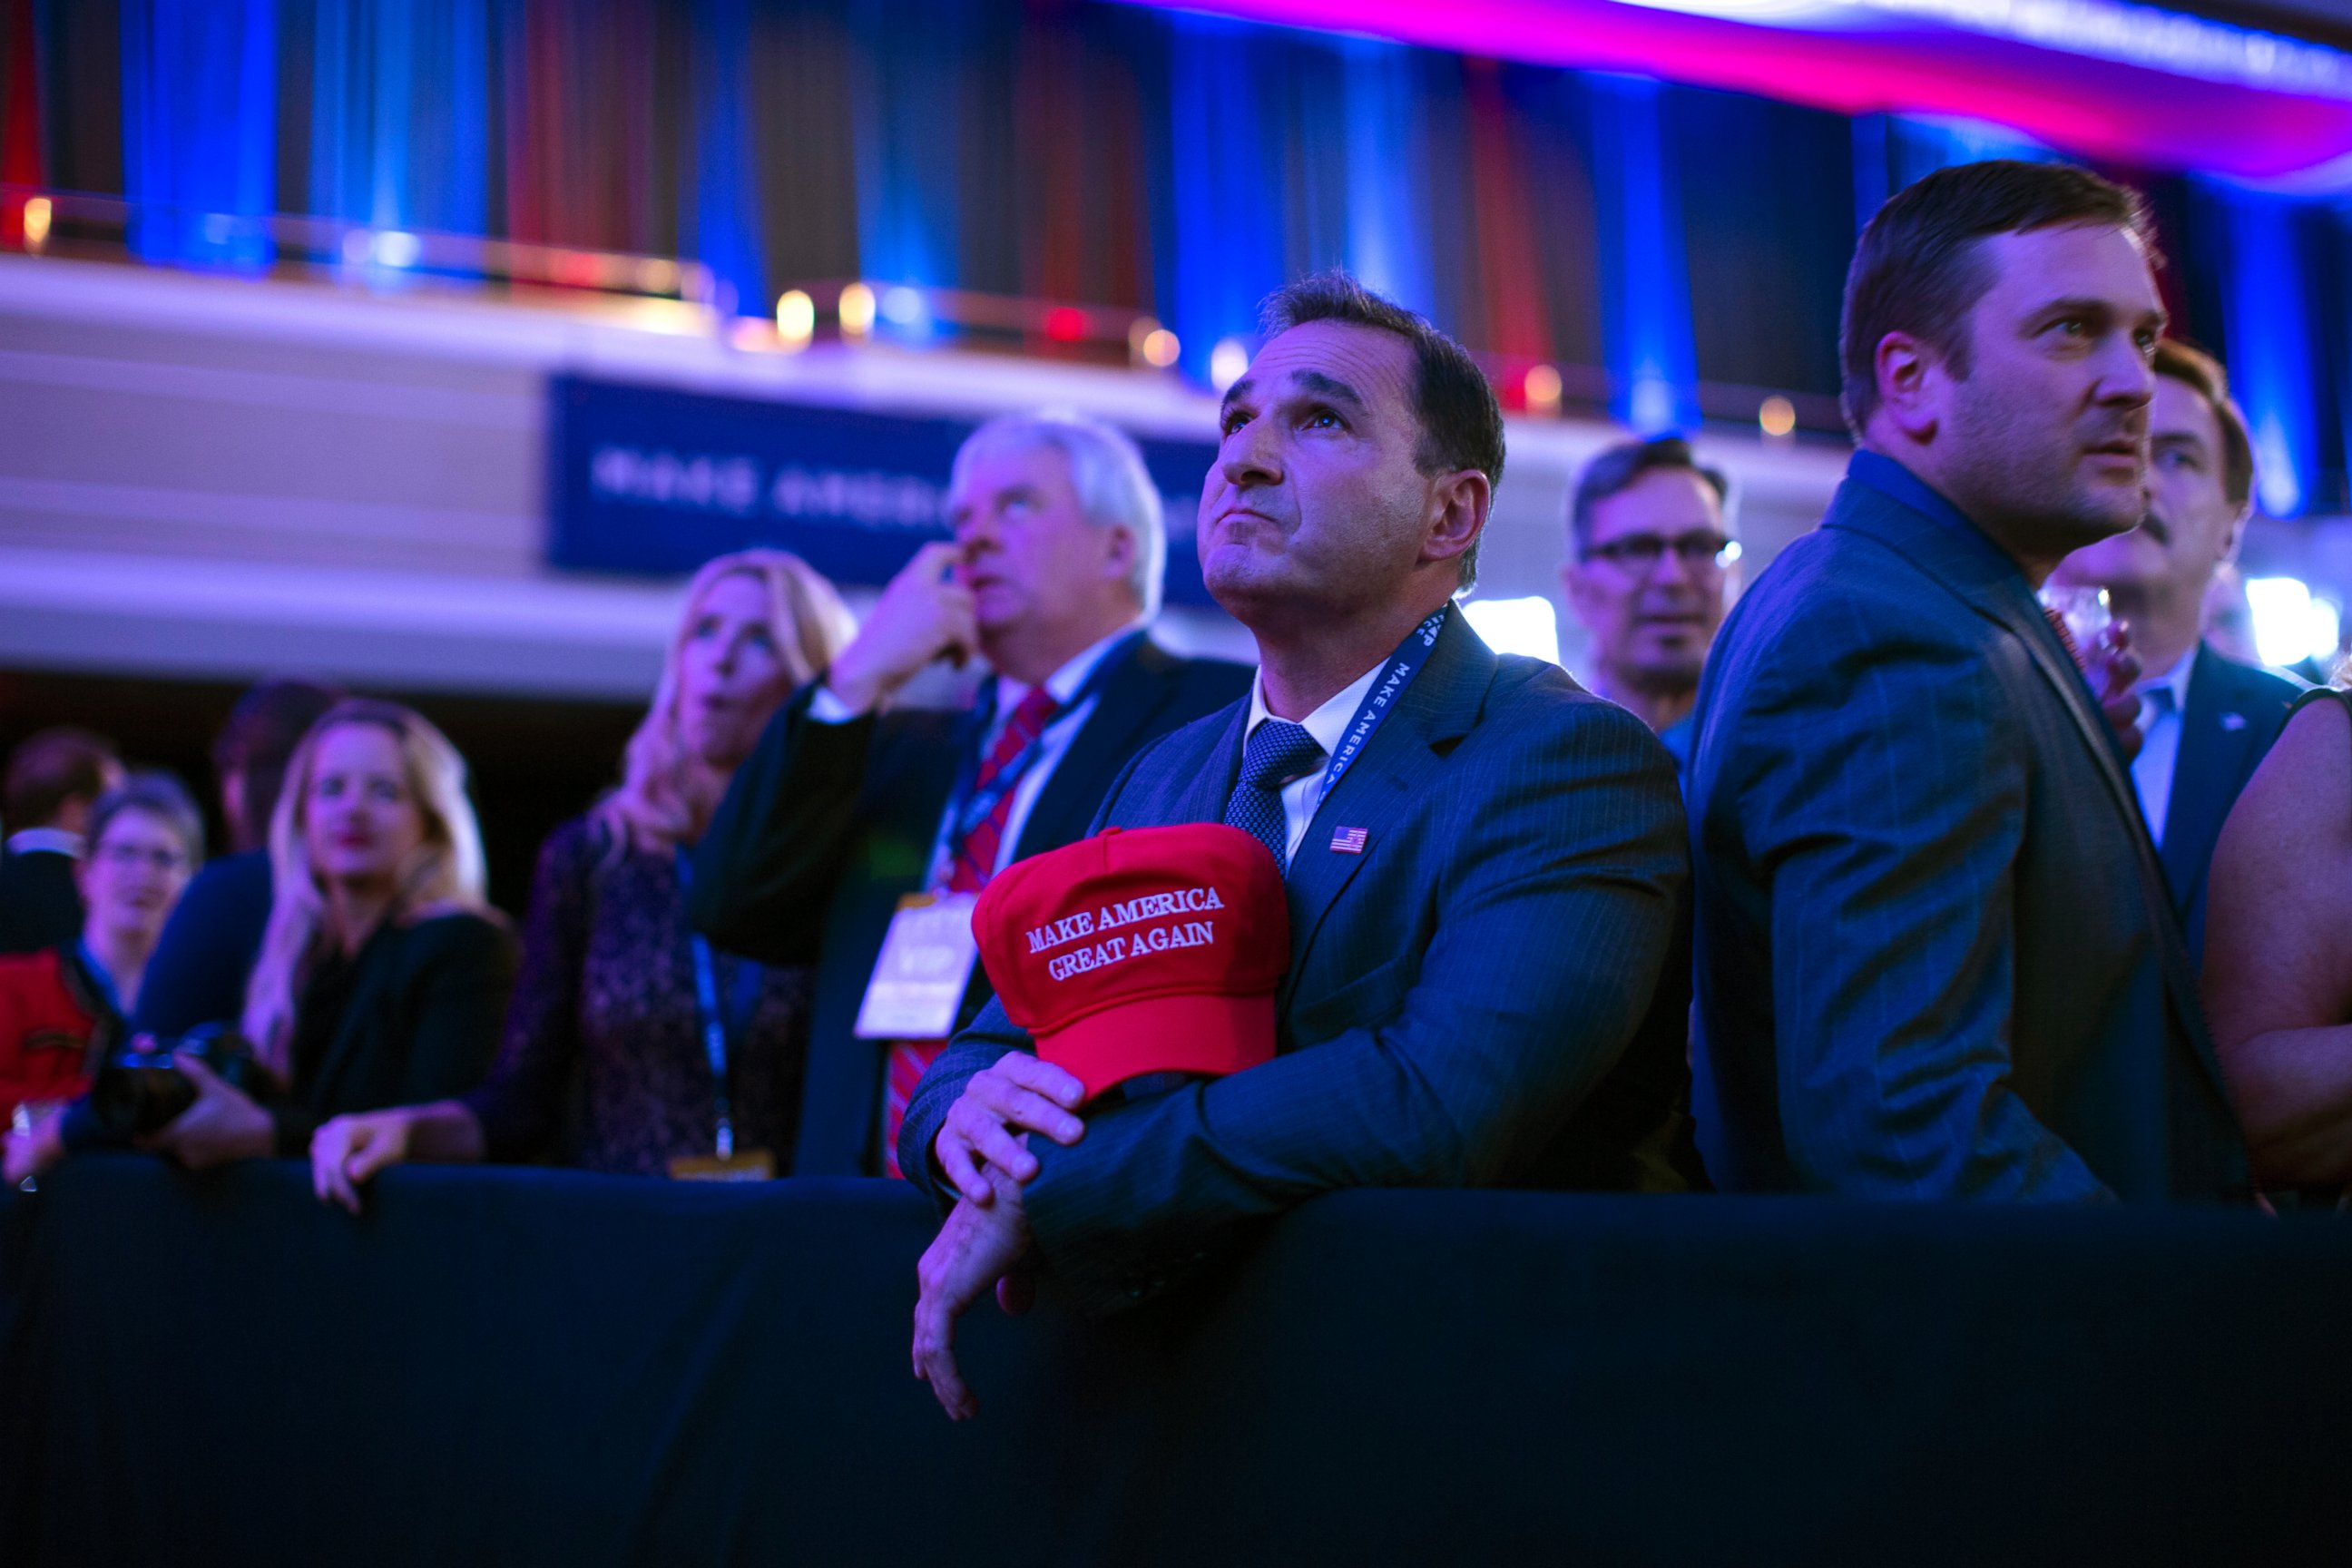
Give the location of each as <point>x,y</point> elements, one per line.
<point>1381,700</point>
<point>715,1022</point>
<point>974,803</point>
<point>99,979</point>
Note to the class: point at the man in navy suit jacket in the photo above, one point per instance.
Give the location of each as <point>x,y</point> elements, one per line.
<point>1936,956</point>
<point>2207,719</point>
<point>1488,908</point>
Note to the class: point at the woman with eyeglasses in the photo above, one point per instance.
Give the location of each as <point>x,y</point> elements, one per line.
<point>59,1007</point>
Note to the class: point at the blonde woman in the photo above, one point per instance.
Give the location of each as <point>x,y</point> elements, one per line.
<point>690,1059</point>
<point>383,975</point>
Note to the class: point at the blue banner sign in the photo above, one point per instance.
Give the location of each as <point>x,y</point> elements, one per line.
<point>652,481</point>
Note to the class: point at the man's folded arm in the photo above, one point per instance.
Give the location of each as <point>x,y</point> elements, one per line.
<point>976,1049</point>
<point>782,837</point>
<point>1556,913</point>
<point>1889,805</point>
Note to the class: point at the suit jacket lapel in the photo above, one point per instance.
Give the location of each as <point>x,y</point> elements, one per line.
<point>361,1005</point>
<point>2210,756</point>
<point>1441,706</point>
<point>1204,796</point>
<point>1986,581</point>
<point>1130,696</point>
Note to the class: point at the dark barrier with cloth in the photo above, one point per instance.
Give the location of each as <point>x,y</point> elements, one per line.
<point>519,1367</point>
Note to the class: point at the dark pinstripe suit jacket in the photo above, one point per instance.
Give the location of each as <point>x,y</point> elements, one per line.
<point>1936,955</point>
<point>1493,993</point>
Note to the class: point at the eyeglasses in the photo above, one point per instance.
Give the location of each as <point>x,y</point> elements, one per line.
<point>128,856</point>
<point>1698,551</point>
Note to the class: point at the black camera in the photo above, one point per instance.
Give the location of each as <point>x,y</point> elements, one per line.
<point>139,1092</point>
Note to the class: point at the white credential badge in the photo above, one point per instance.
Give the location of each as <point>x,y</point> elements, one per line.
<point>925,962</point>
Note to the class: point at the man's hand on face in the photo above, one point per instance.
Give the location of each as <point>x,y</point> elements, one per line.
<point>978,1248</point>
<point>924,614</point>
<point>1016,1094</point>
<point>2114,671</point>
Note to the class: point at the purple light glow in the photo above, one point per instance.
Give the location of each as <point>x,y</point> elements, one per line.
<point>1861,59</point>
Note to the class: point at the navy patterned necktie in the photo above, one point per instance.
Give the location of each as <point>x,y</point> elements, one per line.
<point>1278,751</point>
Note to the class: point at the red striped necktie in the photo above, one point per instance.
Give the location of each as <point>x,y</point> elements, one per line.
<point>975,863</point>
<point>2065,637</point>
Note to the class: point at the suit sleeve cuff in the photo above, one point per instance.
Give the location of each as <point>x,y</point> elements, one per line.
<point>825,707</point>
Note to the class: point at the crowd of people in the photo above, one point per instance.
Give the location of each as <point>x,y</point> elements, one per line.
<point>1887,877</point>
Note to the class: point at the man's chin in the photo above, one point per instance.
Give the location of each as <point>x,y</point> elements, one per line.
<point>1666,676</point>
<point>1238,584</point>
<point>2098,515</point>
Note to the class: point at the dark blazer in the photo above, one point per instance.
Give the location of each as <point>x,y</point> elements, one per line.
<point>2235,711</point>
<point>826,826</point>
<point>1494,992</point>
<point>418,1021</point>
<point>40,906</point>
<point>206,954</point>
<point>1936,956</point>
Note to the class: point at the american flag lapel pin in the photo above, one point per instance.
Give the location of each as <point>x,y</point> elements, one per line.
<point>2233,722</point>
<point>1349,841</point>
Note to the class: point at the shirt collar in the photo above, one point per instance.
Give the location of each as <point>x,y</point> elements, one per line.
<point>1327,723</point>
<point>54,840</point>
<point>1890,478</point>
<point>1066,682</point>
<point>2175,680</point>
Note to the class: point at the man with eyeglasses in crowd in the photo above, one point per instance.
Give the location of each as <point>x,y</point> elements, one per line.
<point>1650,577</point>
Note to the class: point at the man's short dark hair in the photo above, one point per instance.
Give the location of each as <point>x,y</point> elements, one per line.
<point>268,723</point>
<point>1920,268</point>
<point>49,768</point>
<point>1618,466</point>
<point>1461,422</point>
<point>2203,375</point>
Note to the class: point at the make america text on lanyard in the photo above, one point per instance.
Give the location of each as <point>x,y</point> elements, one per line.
<point>1381,700</point>
<point>727,1164</point>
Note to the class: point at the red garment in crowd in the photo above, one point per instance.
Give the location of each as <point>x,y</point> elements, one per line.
<point>45,1025</point>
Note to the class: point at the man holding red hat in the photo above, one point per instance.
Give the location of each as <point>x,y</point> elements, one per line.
<point>1480,976</point>
<point>1129,953</point>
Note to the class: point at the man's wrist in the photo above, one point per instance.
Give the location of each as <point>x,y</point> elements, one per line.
<point>825,707</point>
<point>843,695</point>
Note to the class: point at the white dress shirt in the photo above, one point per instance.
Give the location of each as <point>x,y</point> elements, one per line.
<point>826,708</point>
<point>51,840</point>
<point>1327,725</point>
<point>2160,719</point>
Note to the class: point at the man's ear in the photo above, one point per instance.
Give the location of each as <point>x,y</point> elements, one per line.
<point>1461,501</point>
<point>1119,551</point>
<point>1911,380</point>
<point>2237,535</point>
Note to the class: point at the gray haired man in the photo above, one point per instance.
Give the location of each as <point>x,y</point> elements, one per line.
<point>854,836</point>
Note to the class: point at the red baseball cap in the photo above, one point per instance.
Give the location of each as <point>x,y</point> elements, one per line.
<point>1141,951</point>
